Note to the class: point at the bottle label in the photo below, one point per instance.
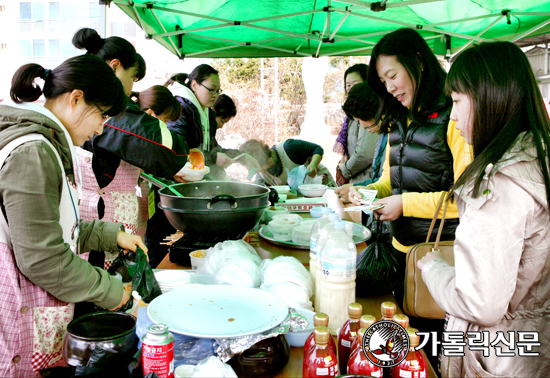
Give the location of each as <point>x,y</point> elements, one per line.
<point>405,374</point>
<point>313,246</point>
<point>338,267</point>
<point>322,371</point>
<point>377,373</point>
<point>158,359</point>
<point>346,343</point>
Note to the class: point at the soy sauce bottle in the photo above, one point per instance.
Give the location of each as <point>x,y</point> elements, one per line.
<point>348,334</point>
<point>320,361</point>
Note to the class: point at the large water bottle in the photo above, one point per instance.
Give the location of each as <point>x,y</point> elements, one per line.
<point>322,238</point>
<point>315,230</point>
<point>338,259</point>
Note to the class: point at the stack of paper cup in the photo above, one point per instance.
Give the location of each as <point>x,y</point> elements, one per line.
<point>172,279</point>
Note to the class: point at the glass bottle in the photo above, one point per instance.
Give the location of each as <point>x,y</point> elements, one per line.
<point>388,310</point>
<point>365,322</point>
<point>348,333</point>
<point>358,362</point>
<point>402,320</point>
<point>415,364</point>
<point>320,361</point>
<point>319,319</point>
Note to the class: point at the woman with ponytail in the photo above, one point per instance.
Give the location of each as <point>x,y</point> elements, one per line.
<point>131,143</point>
<point>158,102</point>
<point>41,232</point>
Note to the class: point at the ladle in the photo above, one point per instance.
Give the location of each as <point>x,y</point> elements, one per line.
<point>159,183</point>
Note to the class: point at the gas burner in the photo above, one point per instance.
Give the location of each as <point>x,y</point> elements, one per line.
<point>179,251</point>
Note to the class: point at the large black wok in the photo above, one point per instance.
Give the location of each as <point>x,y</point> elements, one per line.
<point>214,209</point>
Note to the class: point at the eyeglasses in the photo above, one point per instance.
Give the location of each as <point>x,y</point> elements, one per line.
<point>104,115</point>
<point>212,91</point>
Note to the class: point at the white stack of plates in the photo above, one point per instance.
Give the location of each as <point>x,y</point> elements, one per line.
<point>172,279</point>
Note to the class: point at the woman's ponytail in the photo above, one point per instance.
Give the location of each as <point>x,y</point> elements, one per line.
<point>89,40</point>
<point>23,87</point>
<point>181,78</point>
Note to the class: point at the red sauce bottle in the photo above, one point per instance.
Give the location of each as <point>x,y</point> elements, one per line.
<point>365,322</point>
<point>320,319</point>
<point>415,364</point>
<point>348,333</point>
<point>320,361</point>
<point>358,362</point>
<point>388,310</point>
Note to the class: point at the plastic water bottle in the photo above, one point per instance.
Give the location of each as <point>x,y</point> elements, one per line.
<point>315,230</point>
<point>338,259</point>
<point>322,238</point>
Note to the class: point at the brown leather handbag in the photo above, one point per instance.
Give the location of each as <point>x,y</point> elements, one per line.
<point>417,300</point>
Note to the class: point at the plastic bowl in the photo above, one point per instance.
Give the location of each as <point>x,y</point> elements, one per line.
<point>282,189</point>
<point>312,190</point>
<point>315,212</point>
<point>193,174</point>
<point>301,234</point>
<point>308,223</point>
<point>271,211</point>
<point>293,219</point>
<point>298,339</point>
<point>281,230</point>
<point>172,277</point>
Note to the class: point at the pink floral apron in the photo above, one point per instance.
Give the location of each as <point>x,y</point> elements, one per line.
<point>32,321</point>
<point>125,198</point>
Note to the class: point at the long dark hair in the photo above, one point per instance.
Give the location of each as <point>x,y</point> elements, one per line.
<point>423,68</point>
<point>109,49</point>
<point>506,101</point>
<point>361,68</point>
<point>85,72</point>
<point>199,74</point>
<point>225,107</point>
<point>160,100</point>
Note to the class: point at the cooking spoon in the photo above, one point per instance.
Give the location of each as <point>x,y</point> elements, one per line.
<point>159,183</point>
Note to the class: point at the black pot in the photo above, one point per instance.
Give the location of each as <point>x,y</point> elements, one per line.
<point>265,359</point>
<point>105,331</point>
<point>220,209</point>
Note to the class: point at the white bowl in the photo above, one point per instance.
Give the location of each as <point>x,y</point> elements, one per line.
<point>312,190</point>
<point>293,219</point>
<point>308,223</point>
<point>282,189</point>
<point>281,230</point>
<point>193,174</point>
<point>176,276</point>
<point>316,212</point>
<point>301,234</point>
<point>298,339</point>
<point>184,371</point>
<point>274,210</point>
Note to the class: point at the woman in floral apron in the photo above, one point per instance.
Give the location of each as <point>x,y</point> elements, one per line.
<point>41,232</point>
<point>131,143</point>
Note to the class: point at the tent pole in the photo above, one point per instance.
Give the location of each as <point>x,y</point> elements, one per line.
<point>102,19</point>
<point>478,35</point>
<point>546,58</point>
<point>164,29</point>
<point>537,27</point>
<point>276,100</point>
<point>339,25</point>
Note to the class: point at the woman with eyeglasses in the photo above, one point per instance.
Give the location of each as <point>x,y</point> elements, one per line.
<point>197,93</point>
<point>131,143</point>
<point>41,232</point>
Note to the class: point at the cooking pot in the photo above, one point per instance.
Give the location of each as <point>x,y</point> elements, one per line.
<point>214,209</point>
<point>111,331</point>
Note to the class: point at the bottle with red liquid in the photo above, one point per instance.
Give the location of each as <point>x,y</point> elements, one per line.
<point>358,362</point>
<point>365,322</point>
<point>388,310</point>
<point>320,361</point>
<point>320,319</point>
<point>415,364</point>
<point>348,333</point>
<point>402,320</point>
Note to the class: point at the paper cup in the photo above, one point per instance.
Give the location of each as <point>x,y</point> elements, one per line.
<point>197,258</point>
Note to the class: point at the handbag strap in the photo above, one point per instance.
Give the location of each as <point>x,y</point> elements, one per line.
<point>444,197</point>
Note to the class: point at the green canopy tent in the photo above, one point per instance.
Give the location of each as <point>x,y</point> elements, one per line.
<point>269,28</point>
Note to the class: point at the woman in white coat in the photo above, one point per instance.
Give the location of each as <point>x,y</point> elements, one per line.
<point>499,290</point>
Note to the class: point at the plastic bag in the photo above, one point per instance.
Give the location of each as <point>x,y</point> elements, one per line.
<point>134,267</point>
<point>244,273</point>
<point>287,278</point>
<point>296,176</point>
<point>377,267</point>
<point>213,367</point>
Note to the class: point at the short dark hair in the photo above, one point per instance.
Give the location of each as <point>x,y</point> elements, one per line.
<point>160,100</point>
<point>258,150</point>
<point>362,102</point>
<point>199,74</point>
<point>506,101</point>
<point>361,68</point>
<point>412,51</point>
<point>109,48</point>
<point>88,73</point>
<point>225,107</point>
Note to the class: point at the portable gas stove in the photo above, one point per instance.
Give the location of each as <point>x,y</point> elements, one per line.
<point>179,251</point>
